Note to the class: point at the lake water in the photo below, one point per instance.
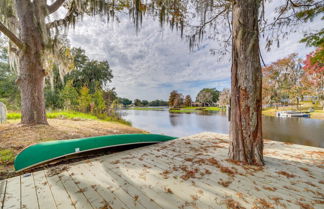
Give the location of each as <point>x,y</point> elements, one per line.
<point>295,130</point>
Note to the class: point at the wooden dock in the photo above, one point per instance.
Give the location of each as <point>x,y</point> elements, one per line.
<point>191,172</point>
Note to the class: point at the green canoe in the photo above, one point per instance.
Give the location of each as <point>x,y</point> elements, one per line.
<point>48,151</point>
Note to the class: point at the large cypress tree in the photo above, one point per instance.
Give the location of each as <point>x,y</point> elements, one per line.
<point>34,41</point>
<point>244,19</point>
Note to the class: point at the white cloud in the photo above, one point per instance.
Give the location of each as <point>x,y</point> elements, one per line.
<point>151,63</point>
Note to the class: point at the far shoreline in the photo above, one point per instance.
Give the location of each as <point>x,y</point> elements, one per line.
<point>271,112</point>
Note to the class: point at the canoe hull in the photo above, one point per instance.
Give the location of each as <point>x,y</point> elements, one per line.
<point>49,151</point>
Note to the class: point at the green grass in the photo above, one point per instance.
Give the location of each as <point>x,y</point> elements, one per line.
<point>213,109</point>
<point>13,115</point>
<point>7,156</point>
<point>182,110</point>
<point>63,114</point>
<point>73,116</point>
<point>194,109</point>
<point>146,108</point>
<point>189,108</point>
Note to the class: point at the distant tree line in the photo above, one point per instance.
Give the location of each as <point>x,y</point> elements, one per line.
<point>288,80</point>
<point>154,103</point>
<point>124,101</point>
<point>205,97</point>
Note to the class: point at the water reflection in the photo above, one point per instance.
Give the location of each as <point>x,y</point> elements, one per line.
<point>296,130</point>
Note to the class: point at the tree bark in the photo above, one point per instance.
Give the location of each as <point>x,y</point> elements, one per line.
<point>31,78</point>
<point>246,81</point>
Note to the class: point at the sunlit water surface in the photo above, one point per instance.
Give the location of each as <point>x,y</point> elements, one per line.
<point>295,130</point>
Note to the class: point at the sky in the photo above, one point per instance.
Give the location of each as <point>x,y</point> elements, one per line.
<point>153,62</point>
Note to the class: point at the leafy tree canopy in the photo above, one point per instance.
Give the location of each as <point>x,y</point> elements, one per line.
<point>283,79</point>
<point>90,73</point>
<point>137,102</point>
<point>145,102</point>
<point>188,101</point>
<point>175,99</point>
<point>314,39</point>
<point>208,96</point>
<point>314,72</point>
<point>158,102</point>
<point>124,101</point>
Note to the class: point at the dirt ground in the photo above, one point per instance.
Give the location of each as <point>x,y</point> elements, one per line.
<point>15,137</point>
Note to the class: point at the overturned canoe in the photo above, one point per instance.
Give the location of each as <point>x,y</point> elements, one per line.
<point>48,151</point>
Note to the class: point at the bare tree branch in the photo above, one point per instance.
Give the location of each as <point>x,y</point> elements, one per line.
<point>301,5</point>
<point>62,22</point>
<point>264,64</point>
<point>201,27</point>
<point>283,10</point>
<point>11,36</point>
<point>55,6</point>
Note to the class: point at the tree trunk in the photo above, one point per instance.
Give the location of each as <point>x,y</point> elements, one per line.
<point>31,83</point>
<point>31,73</point>
<point>246,125</point>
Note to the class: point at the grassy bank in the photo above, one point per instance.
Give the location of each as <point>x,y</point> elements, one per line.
<point>318,114</point>
<point>147,108</point>
<point>73,116</point>
<point>304,107</point>
<point>193,109</point>
<point>62,125</point>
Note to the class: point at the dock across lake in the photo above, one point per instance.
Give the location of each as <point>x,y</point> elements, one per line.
<point>189,172</point>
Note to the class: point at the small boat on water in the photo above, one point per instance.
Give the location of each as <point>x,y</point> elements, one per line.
<point>291,114</point>
<point>46,152</point>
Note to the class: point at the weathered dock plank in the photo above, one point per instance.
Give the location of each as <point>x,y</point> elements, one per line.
<point>102,180</point>
<point>61,196</point>
<point>179,193</point>
<point>190,172</point>
<point>76,194</point>
<point>13,196</point>
<point>44,194</point>
<point>3,185</point>
<point>109,199</point>
<point>136,193</point>
<point>84,182</point>
<point>29,197</point>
